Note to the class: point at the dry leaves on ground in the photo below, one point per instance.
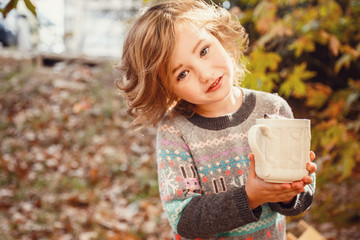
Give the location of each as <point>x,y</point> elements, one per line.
<point>70,168</point>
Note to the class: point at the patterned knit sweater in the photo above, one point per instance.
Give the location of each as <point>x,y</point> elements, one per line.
<point>203,166</point>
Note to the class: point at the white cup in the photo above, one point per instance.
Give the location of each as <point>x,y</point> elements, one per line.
<point>281,148</point>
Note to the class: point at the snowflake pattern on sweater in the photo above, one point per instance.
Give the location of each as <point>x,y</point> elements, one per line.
<point>202,169</point>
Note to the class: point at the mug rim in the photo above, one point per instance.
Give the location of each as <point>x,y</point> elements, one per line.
<point>286,122</point>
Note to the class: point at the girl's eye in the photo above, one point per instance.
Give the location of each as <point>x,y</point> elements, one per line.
<point>182,75</point>
<point>204,51</point>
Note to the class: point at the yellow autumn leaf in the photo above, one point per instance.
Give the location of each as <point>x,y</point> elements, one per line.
<point>301,45</point>
<point>260,81</point>
<point>294,84</point>
<point>262,61</point>
<point>317,94</point>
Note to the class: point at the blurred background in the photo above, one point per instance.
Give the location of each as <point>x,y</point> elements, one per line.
<point>92,28</point>
<point>70,167</point>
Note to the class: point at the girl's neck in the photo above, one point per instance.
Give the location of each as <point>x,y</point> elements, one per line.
<point>229,105</point>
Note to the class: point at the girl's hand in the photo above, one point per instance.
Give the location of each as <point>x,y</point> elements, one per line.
<point>258,191</point>
<point>311,167</point>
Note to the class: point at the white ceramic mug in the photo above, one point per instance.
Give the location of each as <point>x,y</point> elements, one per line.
<point>281,148</point>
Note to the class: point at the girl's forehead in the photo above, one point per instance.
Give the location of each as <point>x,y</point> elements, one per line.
<point>187,33</point>
<point>187,26</point>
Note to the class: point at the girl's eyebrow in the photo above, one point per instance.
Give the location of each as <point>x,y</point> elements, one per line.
<point>197,45</point>
<point>175,69</point>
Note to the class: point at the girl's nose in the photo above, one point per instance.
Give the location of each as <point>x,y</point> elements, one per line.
<point>205,74</point>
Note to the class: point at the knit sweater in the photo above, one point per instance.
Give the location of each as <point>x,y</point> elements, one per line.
<point>203,166</point>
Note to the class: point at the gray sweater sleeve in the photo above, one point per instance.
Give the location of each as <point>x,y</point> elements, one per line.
<point>207,215</point>
<point>301,202</point>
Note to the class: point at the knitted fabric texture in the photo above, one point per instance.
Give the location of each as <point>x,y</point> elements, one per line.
<point>203,165</point>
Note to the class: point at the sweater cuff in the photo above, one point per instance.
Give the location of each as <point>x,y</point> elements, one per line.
<point>244,206</point>
<point>288,205</point>
<point>286,209</point>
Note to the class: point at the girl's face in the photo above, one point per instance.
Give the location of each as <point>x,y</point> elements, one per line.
<point>202,70</point>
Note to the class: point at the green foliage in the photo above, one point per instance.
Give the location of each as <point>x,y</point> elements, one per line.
<point>308,52</point>
<point>12,4</point>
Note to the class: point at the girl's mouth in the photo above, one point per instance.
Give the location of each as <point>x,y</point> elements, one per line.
<point>216,85</point>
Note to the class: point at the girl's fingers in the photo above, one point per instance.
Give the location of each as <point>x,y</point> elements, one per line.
<point>312,156</point>
<point>297,184</point>
<point>307,180</point>
<point>252,172</point>
<point>311,167</point>
<point>283,196</point>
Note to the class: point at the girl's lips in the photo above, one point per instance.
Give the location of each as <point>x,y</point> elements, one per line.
<point>216,85</point>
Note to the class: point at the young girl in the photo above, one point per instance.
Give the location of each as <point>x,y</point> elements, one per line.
<point>180,63</point>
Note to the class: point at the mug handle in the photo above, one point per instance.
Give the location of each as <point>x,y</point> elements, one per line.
<point>264,166</point>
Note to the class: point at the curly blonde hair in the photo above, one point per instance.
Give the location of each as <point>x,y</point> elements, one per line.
<point>148,52</point>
